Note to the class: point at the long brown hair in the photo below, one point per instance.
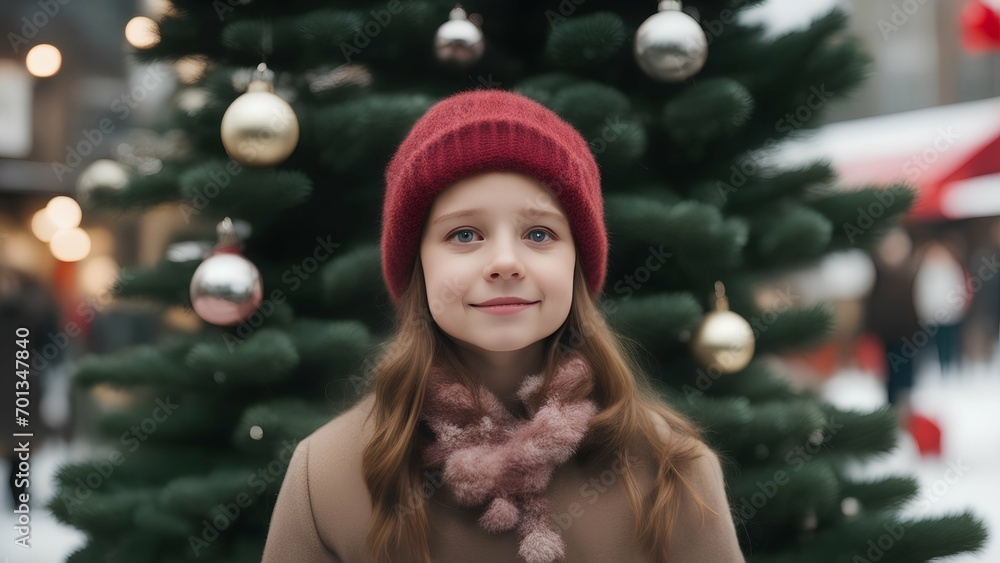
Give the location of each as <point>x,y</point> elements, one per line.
<point>391,463</point>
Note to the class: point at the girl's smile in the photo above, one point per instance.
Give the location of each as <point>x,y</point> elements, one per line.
<point>508,309</point>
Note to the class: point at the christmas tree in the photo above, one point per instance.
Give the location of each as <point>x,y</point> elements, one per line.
<point>681,114</point>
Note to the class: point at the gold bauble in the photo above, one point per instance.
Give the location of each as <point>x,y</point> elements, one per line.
<point>259,128</point>
<point>724,341</point>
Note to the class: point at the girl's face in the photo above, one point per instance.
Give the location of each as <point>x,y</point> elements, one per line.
<point>514,242</point>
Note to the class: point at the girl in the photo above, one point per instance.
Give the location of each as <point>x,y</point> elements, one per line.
<point>505,421</point>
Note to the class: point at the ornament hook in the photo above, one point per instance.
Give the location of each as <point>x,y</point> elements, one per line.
<point>721,301</point>
<point>228,237</point>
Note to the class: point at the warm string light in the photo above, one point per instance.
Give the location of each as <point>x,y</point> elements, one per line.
<point>70,245</point>
<point>58,224</point>
<point>64,212</point>
<point>142,32</point>
<point>43,60</point>
<point>43,227</point>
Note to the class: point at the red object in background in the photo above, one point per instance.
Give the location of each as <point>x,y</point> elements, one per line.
<point>64,285</point>
<point>823,360</point>
<point>870,354</point>
<point>983,161</point>
<point>926,433</point>
<point>980,25</point>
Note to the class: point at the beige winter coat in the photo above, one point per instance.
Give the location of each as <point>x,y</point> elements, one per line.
<point>323,509</point>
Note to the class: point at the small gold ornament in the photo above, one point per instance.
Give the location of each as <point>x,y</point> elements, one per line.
<point>259,128</point>
<point>724,341</point>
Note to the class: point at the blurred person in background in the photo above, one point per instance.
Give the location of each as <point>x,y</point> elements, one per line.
<point>891,314</point>
<point>941,296</point>
<point>24,303</point>
<point>981,330</point>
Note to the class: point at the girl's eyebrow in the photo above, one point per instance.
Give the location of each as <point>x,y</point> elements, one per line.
<point>478,210</point>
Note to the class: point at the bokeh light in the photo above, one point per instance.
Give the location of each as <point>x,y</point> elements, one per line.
<point>42,225</point>
<point>64,212</point>
<point>43,60</point>
<point>70,245</point>
<point>97,275</point>
<point>142,32</point>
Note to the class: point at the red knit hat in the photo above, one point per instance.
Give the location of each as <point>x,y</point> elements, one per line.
<point>482,131</point>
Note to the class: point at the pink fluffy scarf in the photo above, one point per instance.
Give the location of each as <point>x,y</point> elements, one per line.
<point>492,458</point>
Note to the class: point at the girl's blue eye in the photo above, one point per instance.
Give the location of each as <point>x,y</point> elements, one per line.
<point>459,233</point>
<point>544,232</point>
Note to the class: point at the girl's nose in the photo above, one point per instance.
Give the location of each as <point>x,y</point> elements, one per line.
<point>505,263</point>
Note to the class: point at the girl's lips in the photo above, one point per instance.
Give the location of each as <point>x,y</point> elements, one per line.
<point>504,309</point>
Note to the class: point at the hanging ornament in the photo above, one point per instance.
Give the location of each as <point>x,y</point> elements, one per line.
<point>724,341</point>
<point>104,176</point>
<point>260,128</point>
<point>670,46</point>
<point>459,42</point>
<point>226,288</point>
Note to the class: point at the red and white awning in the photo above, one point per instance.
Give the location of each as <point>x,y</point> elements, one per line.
<point>950,153</point>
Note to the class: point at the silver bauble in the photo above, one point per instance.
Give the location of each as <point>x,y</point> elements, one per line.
<point>102,175</point>
<point>458,41</point>
<point>226,289</point>
<point>670,46</point>
<point>259,128</point>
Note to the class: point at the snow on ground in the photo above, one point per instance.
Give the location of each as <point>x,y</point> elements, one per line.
<point>966,406</point>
